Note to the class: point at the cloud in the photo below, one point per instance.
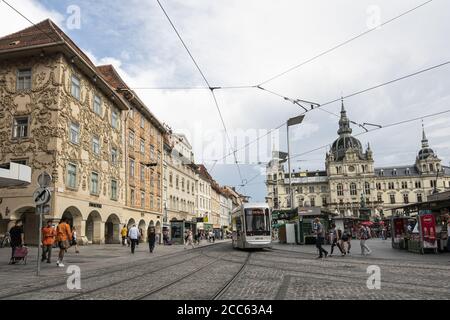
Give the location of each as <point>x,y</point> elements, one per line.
<point>245,42</point>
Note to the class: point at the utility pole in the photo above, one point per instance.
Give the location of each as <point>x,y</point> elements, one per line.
<point>291,122</point>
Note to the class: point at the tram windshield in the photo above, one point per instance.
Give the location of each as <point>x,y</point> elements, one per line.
<point>257,222</point>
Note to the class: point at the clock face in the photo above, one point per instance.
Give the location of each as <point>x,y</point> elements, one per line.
<point>351,168</point>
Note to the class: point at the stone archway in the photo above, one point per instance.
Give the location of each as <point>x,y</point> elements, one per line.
<point>158,231</point>
<point>75,219</point>
<point>30,224</point>
<point>143,230</point>
<point>112,230</point>
<point>94,228</point>
<point>130,223</point>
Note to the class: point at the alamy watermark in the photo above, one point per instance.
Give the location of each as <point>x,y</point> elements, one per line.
<point>374,280</point>
<point>74,280</point>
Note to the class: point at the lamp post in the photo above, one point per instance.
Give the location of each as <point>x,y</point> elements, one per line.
<point>291,122</point>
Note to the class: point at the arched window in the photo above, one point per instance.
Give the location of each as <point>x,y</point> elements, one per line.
<point>367,188</point>
<point>431,167</point>
<point>353,191</point>
<point>340,189</point>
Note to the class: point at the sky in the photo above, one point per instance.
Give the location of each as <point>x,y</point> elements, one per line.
<point>244,43</point>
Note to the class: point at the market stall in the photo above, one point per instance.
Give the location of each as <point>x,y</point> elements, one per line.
<point>347,224</point>
<point>306,216</point>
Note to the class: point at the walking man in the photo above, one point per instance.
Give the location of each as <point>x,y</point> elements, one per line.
<point>48,239</point>
<point>133,235</point>
<point>189,240</point>
<point>151,239</point>
<point>335,239</point>
<point>124,233</point>
<point>320,238</point>
<point>364,234</point>
<point>64,237</point>
<point>17,238</point>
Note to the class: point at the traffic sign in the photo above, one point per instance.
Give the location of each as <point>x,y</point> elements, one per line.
<point>44,180</point>
<point>41,196</point>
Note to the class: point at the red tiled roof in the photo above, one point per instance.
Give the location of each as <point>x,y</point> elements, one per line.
<point>112,77</point>
<point>44,33</point>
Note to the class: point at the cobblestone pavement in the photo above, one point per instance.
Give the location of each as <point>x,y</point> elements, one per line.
<point>283,272</point>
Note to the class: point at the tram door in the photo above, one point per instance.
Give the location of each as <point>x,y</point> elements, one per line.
<point>238,233</point>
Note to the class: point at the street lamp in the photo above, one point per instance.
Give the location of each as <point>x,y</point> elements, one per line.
<point>291,122</point>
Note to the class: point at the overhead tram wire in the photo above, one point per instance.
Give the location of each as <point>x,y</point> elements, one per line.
<point>390,125</point>
<point>342,44</point>
<point>335,100</point>
<point>211,88</point>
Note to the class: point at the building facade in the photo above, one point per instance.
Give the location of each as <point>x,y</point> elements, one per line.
<point>204,194</point>
<point>61,114</point>
<point>351,182</point>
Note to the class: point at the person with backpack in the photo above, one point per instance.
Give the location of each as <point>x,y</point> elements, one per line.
<point>63,237</point>
<point>151,239</point>
<point>320,238</point>
<point>364,235</point>
<point>48,239</point>
<point>335,239</point>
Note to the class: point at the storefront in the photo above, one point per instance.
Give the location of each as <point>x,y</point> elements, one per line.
<point>306,217</point>
<point>422,227</point>
<point>178,228</point>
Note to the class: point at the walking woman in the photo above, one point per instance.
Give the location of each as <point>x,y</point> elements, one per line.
<point>335,240</point>
<point>74,239</point>
<point>151,239</point>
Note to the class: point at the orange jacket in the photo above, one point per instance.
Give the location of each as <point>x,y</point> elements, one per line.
<point>48,236</point>
<point>63,232</point>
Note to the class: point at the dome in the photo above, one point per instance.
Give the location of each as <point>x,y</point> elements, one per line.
<point>342,144</point>
<point>425,153</point>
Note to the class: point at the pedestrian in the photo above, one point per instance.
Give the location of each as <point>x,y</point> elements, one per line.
<point>48,239</point>
<point>166,237</point>
<point>320,237</point>
<point>74,240</point>
<point>17,238</point>
<point>364,235</point>
<point>151,239</point>
<point>133,235</point>
<point>124,233</point>
<point>335,239</point>
<point>141,236</point>
<point>189,240</point>
<point>63,237</point>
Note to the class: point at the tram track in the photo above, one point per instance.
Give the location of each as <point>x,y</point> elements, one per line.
<point>353,260</point>
<point>117,269</point>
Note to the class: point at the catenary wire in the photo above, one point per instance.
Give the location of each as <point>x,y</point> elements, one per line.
<point>343,43</point>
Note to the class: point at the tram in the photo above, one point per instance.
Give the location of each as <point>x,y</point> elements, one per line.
<point>251,226</point>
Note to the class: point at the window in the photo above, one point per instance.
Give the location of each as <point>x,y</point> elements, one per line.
<point>20,161</point>
<point>394,172</point>
<point>324,201</point>
<point>312,200</point>
<point>392,198</point>
<point>113,190</point>
<point>378,186</point>
<point>94,183</point>
<point>142,146</point>
<point>323,189</point>
<point>340,190</point>
<point>74,133</point>
<point>131,113</point>
<point>405,198</point>
<point>311,189</point>
<point>188,186</point>
<point>114,156</point>
<point>431,167</point>
<point>379,198</point>
<point>300,190</point>
<point>132,197</point>
<point>142,199</point>
<point>114,119</point>
<point>382,172</point>
<point>132,168</point>
<point>176,182</point>
<point>367,188</point>
<point>152,152</point>
<point>142,172</point>
<point>72,176</point>
<point>98,105</point>
<point>433,183</point>
<point>95,145</point>
<point>131,139</point>
<point>152,183</point>
<point>24,79</point>
<point>391,186</point>
<point>20,127</point>
<point>170,179</point>
<point>353,191</point>
<point>404,185</point>
<point>182,184</point>
<point>76,87</point>
<point>152,204</point>
<point>419,197</point>
<point>142,122</point>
